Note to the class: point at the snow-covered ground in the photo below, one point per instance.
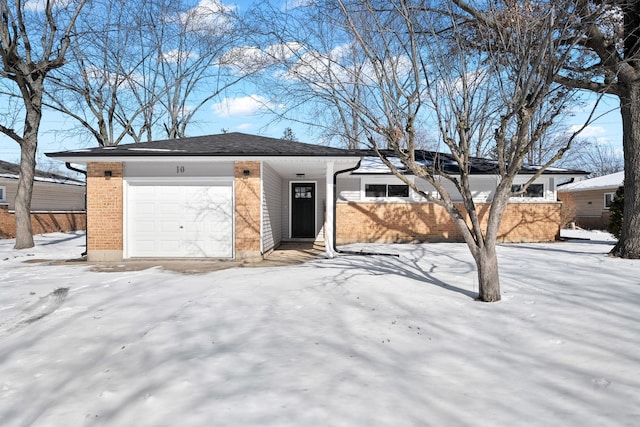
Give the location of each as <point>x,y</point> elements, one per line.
<point>354,341</point>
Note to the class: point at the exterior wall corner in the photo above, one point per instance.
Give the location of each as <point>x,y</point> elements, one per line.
<point>104,209</point>
<point>248,208</point>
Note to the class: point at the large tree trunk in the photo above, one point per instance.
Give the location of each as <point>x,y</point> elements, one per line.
<point>28,148</point>
<point>488,278</point>
<point>24,230</point>
<point>629,244</point>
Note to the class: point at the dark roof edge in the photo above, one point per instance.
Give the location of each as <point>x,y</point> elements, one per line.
<point>186,154</point>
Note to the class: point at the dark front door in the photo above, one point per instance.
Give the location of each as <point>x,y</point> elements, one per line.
<point>303,209</point>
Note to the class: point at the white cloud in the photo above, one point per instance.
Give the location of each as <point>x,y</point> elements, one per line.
<point>40,5</point>
<point>342,66</point>
<point>253,59</point>
<point>244,126</point>
<point>209,16</point>
<point>176,55</point>
<point>242,106</point>
<point>589,132</point>
<point>101,75</point>
<point>292,4</point>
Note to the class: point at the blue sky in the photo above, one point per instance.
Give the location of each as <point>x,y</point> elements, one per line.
<point>240,111</point>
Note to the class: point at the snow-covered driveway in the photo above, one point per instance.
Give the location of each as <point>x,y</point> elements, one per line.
<point>354,341</point>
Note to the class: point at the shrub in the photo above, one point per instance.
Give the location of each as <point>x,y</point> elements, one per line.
<point>568,210</point>
<point>616,213</point>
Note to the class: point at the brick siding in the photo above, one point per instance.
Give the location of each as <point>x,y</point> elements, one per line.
<point>42,222</point>
<point>247,208</point>
<point>428,222</point>
<point>104,207</point>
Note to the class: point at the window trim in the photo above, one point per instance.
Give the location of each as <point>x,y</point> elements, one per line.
<point>604,199</point>
<point>387,181</point>
<point>401,187</point>
<point>3,194</point>
<point>366,190</point>
<point>525,196</point>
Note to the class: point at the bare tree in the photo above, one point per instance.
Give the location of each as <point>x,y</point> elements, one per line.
<point>452,70</point>
<point>597,158</point>
<point>288,135</point>
<point>143,69</point>
<point>27,65</point>
<point>308,79</point>
<point>548,144</point>
<point>194,64</point>
<point>103,87</point>
<point>607,61</point>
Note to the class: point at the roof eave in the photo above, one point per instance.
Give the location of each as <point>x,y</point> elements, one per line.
<point>80,158</point>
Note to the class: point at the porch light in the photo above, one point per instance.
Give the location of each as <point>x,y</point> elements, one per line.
<point>246,172</point>
<point>107,174</point>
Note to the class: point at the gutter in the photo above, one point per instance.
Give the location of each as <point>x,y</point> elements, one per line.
<point>86,233</point>
<point>335,200</point>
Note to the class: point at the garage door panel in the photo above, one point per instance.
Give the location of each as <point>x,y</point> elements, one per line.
<point>169,228</point>
<point>146,208</point>
<point>197,249</point>
<point>171,210</point>
<point>145,227</point>
<point>170,247</point>
<point>180,221</point>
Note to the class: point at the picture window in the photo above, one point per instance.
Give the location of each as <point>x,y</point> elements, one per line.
<point>534,190</point>
<point>386,190</point>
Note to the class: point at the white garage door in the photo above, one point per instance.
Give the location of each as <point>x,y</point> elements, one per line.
<point>180,220</point>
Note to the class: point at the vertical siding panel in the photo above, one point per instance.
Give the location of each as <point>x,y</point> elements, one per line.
<point>286,201</point>
<point>271,208</point>
<point>321,200</point>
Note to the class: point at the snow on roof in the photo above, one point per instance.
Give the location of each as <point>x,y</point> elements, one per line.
<point>54,180</point>
<point>10,170</point>
<point>375,165</point>
<point>372,164</point>
<point>612,181</point>
<point>155,149</point>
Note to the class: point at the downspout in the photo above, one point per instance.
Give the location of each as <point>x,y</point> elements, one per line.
<point>335,232</point>
<point>86,233</point>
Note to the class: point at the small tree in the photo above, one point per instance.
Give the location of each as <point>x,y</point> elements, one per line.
<point>289,135</point>
<point>616,212</point>
<point>568,211</point>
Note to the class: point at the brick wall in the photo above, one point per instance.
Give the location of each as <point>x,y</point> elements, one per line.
<point>104,207</point>
<point>428,222</point>
<point>42,222</point>
<point>247,209</point>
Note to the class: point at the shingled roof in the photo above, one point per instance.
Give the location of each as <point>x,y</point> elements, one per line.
<point>236,144</point>
<point>446,163</point>
<point>226,144</point>
<point>12,171</point>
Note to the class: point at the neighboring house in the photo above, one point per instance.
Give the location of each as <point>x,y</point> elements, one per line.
<point>592,198</point>
<point>57,203</point>
<point>239,196</point>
